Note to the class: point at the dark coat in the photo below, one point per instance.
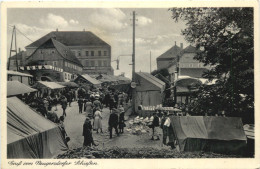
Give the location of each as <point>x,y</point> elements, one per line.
<point>113,120</point>
<point>87,133</point>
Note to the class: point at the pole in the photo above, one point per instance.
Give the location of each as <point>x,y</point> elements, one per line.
<point>16,60</point>
<point>11,50</point>
<point>133,65</point>
<point>150,61</point>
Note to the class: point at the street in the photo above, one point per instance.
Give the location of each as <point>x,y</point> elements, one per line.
<point>74,122</point>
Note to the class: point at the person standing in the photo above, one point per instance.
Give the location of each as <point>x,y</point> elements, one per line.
<point>163,127</point>
<point>96,104</point>
<point>97,120</point>
<point>113,122</point>
<point>87,133</point>
<point>80,104</point>
<point>155,124</point>
<point>121,120</point>
<point>170,131</point>
<point>64,104</point>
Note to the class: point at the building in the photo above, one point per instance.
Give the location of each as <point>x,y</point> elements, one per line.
<point>92,52</point>
<point>170,56</point>
<point>188,66</point>
<point>53,61</point>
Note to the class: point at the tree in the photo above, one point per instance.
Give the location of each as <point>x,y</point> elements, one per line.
<point>225,37</point>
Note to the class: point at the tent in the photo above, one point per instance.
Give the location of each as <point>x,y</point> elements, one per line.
<point>15,88</point>
<point>210,133</point>
<point>30,135</point>
<point>149,90</point>
<point>47,85</point>
<point>86,79</point>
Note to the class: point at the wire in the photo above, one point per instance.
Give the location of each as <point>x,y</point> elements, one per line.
<point>21,33</point>
<point>24,35</point>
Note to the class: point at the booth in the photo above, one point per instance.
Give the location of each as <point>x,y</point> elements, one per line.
<point>149,90</point>
<point>15,88</point>
<point>47,87</point>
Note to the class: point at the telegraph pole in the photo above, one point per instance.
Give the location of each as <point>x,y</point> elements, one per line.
<point>11,49</point>
<point>133,65</point>
<point>150,61</point>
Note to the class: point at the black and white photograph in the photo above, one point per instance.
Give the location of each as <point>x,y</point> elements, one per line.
<point>131,82</point>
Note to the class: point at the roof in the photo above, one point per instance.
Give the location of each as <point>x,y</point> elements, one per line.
<point>90,79</point>
<point>63,50</point>
<point>68,84</point>
<point>11,72</point>
<point>152,79</point>
<point>15,88</point>
<point>106,78</point>
<point>71,38</point>
<point>190,49</point>
<point>170,54</point>
<point>44,84</point>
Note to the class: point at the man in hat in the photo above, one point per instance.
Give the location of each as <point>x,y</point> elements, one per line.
<point>170,133</point>
<point>113,122</point>
<point>64,104</point>
<point>163,127</point>
<point>155,124</point>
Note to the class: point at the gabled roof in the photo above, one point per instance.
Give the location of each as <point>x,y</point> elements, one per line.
<point>16,88</point>
<point>63,50</point>
<point>170,54</point>
<point>71,38</point>
<point>157,82</point>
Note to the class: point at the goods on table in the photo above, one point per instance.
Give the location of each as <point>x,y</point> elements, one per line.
<point>139,125</point>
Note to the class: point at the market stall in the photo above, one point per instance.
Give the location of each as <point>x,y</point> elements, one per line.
<point>149,90</point>
<point>46,88</point>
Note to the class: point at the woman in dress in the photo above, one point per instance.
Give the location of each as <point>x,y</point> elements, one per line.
<point>88,104</point>
<point>97,120</point>
<point>87,133</point>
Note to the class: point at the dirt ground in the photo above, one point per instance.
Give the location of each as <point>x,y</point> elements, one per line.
<point>74,127</point>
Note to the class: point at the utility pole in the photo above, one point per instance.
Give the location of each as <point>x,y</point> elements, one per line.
<point>150,61</point>
<point>133,66</point>
<point>11,49</point>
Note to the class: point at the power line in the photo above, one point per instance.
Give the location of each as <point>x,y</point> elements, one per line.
<point>22,33</point>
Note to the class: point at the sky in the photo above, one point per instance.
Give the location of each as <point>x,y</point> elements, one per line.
<point>156,31</point>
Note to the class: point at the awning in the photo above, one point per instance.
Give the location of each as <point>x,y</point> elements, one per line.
<point>15,73</point>
<point>90,79</point>
<point>69,84</point>
<point>49,85</point>
<point>15,88</point>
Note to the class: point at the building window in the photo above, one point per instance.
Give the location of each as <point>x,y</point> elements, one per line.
<point>41,51</point>
<point>99,63</point>
<point>55,64</point>
<point>99,53</point>
<point>191,65</point>
<point>105,53</point>
<point>105,63</point>
<point>79,53</point>
<point>87,63</point>
<point>65,75</point>
<point>53,51</point>
<point>92,63</point>
<point>92,53</point>
<point>86,53</point>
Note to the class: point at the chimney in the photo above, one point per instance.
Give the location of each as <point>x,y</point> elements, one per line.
<point>57,30</point>
<point>175,43</point>
<point>181,45</point>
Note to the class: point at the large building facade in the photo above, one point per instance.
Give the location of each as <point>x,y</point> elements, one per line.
<point>52,61</point>
<point>93,53</point>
